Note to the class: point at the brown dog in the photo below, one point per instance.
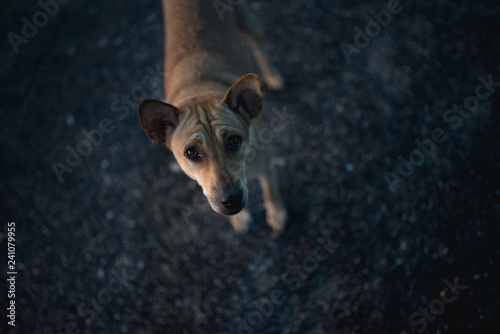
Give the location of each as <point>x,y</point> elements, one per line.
<point>211,118</point>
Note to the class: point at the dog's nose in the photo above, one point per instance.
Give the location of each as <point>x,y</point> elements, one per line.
<point>232,200</point>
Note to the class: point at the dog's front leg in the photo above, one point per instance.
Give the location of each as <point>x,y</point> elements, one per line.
<point>241,221</point>
<point>275,210</point>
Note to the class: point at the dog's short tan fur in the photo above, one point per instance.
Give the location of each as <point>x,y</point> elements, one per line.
<point>212,98</point>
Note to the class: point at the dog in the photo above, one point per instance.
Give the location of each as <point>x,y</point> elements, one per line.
<point>211,117</point>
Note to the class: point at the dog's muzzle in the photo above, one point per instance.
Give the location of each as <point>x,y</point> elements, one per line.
<point>232,202</point>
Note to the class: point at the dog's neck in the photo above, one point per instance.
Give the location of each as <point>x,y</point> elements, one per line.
<point>208,98</point>
<point>187,80</point>
<point>202,53</point>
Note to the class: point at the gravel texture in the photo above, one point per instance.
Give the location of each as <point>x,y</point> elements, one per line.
<point>125,243</point>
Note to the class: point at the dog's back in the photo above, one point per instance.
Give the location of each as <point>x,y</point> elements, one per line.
<point>204,50</point>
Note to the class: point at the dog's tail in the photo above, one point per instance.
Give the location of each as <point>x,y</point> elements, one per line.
<point>165,4</point>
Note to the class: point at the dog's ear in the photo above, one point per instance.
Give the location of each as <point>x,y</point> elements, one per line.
<point>246,95</point>
<point>158,119</point>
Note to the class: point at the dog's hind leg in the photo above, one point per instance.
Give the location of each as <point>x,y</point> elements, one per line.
<point>252,31</point>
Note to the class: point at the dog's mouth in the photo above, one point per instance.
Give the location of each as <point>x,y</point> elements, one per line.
<point>229,200</point>
<point>233,212</point>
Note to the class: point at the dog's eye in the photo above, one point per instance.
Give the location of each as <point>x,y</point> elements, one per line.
<point>233,143</point>
<point>192,153</point>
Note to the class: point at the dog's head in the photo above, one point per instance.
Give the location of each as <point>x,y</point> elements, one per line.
<point>209,138</point>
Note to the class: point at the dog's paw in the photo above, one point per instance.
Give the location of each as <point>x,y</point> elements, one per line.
<point>241,221</point>
<point>276,218</point>
<point>274,80</point>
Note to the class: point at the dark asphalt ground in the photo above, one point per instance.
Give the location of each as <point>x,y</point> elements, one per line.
<point>125,243</point>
